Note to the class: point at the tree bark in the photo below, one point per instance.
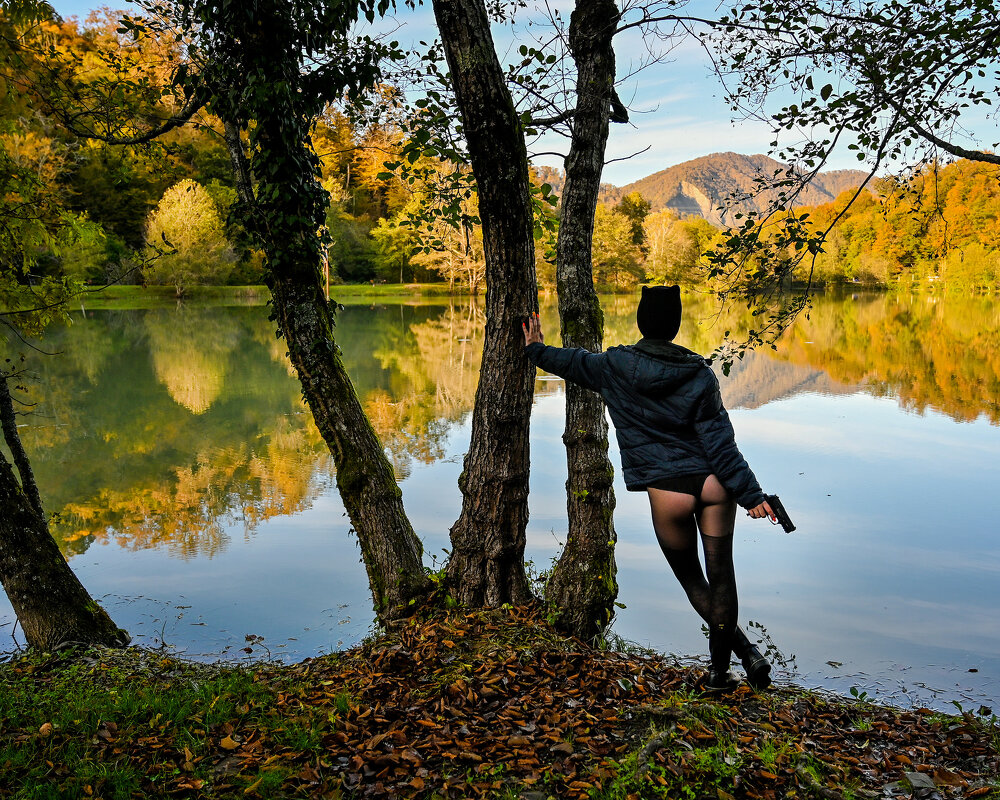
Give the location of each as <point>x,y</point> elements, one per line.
<point>279,188</point>
<point>582,587</point>
<point>487,559</point>
<point>51,604</point>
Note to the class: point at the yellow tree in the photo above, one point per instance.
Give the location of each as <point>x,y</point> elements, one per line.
<point>185,237</point>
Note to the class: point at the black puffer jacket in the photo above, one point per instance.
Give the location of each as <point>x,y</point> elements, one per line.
<point>667,411</point>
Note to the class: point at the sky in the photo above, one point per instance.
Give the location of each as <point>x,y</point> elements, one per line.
<point>677,110</point>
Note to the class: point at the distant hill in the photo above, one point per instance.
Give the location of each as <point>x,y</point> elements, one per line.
<point>698,187</point>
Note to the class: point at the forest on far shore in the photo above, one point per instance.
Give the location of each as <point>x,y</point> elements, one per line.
<point>160,214</point>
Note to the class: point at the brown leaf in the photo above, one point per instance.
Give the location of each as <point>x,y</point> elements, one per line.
<point>944,777</point>
<point>229,743</point>
<point>46,729</point>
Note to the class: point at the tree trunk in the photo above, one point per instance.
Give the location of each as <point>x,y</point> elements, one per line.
<point>287,206</point>
<point>50,602</point>
<point>582,587</point>
<point>487,559</point>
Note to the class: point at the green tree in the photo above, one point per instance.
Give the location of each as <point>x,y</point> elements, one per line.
<point>352,252</point>
<point>635,207</point>
<point>616,257</point>
<point>186,240</point>
<point>394,246</point>
<point>51,604</point>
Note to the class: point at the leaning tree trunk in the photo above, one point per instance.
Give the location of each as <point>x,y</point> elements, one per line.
<point>582,587</point>
<point>487,559</point>
<point>286,208</point>
<point>50,602</point>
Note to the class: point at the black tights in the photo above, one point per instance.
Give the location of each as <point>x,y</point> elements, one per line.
<point>677,519</point>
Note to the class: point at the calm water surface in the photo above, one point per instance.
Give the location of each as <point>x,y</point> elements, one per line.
<point>195,497</point>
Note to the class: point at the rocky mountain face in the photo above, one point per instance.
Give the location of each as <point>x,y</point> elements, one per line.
<point>701,186</point>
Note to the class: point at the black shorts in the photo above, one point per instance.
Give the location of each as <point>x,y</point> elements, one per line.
<point>685,484</point>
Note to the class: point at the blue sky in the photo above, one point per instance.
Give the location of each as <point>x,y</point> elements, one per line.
<point>677,111</point>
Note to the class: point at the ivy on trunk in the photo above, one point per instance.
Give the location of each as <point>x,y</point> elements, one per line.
<point>259,82</point>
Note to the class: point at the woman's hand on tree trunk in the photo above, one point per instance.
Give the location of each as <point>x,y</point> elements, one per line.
<point>533,330</point>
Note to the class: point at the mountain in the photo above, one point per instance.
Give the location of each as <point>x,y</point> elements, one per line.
<point>698,187</point>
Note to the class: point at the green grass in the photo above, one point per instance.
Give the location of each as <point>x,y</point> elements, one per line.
<point>141,297</point>
<point>79,709</point>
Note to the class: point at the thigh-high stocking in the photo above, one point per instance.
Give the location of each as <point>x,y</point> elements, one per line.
<point>677,519</point>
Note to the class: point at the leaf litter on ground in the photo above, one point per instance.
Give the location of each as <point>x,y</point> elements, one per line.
<point>487,704</point>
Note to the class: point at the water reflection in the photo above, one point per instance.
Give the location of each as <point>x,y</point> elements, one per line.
<point>155,429</point>
<point>152,426</point>
<point>178,437</point>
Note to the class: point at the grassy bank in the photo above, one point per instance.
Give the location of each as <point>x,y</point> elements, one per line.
<point>122,297</point>
<point>132,297</point>
<point>493,705</point>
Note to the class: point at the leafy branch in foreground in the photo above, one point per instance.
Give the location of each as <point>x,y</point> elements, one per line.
<point>894,82</point>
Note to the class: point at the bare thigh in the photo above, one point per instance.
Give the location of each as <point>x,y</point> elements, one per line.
<point>715,509</point>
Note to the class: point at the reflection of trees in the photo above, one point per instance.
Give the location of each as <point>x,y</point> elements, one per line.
<point>192,374</point>
<point>435,370</point>
<point>940,352</point>
<point>928,351</point>
<point>121,461</point>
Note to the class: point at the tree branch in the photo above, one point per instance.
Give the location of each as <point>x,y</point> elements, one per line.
<point>547,122</point>
<point>944,144</point>
<point>198,99</point>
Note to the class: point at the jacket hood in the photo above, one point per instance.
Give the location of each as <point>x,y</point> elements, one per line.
<point>658,366</point>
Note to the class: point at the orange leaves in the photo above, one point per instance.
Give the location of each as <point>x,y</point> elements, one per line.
<point>410,717</point>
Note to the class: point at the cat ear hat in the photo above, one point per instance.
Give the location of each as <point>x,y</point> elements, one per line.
<point>659,312</point>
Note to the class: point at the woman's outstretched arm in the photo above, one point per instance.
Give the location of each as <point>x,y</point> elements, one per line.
<point>575,364</point>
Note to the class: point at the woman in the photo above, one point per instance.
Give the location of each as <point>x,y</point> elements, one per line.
<point>677,445</point>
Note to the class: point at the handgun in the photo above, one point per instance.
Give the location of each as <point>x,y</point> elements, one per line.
<point>779,513</point>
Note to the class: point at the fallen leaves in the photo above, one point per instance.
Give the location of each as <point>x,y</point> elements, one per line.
<point>478,705</point>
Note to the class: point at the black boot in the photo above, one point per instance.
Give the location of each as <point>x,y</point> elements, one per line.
<point>720,648</point>
<point>756,666</point>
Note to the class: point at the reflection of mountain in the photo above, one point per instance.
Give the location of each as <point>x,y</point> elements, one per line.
<point>760,379</point>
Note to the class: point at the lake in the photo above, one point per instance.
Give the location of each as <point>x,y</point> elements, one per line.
<point>193,495</point>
